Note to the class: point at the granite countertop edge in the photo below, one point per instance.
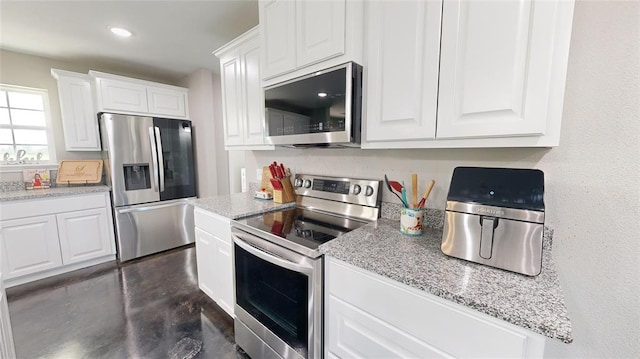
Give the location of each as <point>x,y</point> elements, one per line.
<point>238,205</point>
<point>555,328</point>
<point>9,196</point>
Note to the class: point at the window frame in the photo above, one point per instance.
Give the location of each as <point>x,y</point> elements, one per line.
<point>52,163</point>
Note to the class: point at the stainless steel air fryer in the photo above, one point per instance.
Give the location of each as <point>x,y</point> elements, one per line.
<point>495,216</point>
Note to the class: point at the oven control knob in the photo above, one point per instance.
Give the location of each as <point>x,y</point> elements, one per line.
<point>369,191</point>
<point>298,182</point>
<point>356,189</point>
<point>307,183</point>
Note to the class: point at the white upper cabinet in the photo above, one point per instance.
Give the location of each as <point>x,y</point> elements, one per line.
<point>300,36</point>
<point>231,82</point>
<point>278,25</point>
<point>124,96</point>
<point>497,74</point>
<point>77,111</point>
<point>252,93</point>
<point>167,102</point>
<point>498,80</point>
<point>320,30</point>
<point>242,94</point>
<point>132,96</point>
<point>403,47</point>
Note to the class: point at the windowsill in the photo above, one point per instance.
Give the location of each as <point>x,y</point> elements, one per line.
<point>19,168</point>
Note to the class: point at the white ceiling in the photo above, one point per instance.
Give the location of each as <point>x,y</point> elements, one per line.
<point>171,38</point>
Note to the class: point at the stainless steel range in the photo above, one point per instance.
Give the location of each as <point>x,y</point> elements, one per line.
<point>279,269</point>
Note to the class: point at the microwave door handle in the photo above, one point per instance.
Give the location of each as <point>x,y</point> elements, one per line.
<point>154,158</point>
<point>160,157</point>
<point>271,258</point>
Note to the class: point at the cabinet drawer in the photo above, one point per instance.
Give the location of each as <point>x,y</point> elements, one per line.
<point>214,224</point>
<point>441,325</point>
<point>44,206</point>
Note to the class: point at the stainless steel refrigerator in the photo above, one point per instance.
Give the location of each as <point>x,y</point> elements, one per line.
<point>150,168</point>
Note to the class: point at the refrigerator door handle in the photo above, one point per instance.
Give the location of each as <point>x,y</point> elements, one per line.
<point>154,158</point>
<point>160,157</point>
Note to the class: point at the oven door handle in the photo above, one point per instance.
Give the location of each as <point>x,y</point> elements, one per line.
<point>272,253</point>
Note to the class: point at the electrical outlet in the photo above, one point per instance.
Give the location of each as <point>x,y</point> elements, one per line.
<point>259,174</point>
<point>243,179</point>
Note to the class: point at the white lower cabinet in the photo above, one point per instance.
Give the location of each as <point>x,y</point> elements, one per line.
<point>84,235</point>
<point>45,237</point>
<point>30,245</point>
<point>214,258</point>
<point>7,350</point>
<point>369,316</point>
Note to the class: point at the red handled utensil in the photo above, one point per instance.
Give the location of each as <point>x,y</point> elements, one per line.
<point>423,200</point>
<point>276,184</point>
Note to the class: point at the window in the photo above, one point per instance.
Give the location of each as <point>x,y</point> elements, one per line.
<point>25,132</point>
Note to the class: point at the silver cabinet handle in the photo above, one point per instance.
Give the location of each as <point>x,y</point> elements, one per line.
<point>154,158</point>
<point>160,157</point>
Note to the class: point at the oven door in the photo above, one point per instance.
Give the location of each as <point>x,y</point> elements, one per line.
<point>278,299</point>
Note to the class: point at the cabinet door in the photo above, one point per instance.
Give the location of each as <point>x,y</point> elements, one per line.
<point>496,67</point>
<point>400,321</point>
<point>122,96</point>
<point>84,235</point>
<point>30,245</point>
<point>320,30</point>
<point>205,261</point>
<point>7,350</point>
<point>403,42</point>
<point>277,25</point>
<point>224,272</point>
<point>231,80</point>
<point>253,93</point>
<point>167,102</point>
<point>353,333</point>
<point>79,120</point>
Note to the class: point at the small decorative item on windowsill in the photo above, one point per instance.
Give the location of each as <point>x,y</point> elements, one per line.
<point>36,178</point>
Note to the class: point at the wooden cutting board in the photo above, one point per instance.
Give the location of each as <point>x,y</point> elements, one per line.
<point>77,172</point>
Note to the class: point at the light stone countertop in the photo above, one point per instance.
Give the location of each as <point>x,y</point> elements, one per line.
<point>8,196</point>
<point>238,205</point>
<point>535,303</point>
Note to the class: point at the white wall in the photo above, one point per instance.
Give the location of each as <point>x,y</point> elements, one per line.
<point>211,160</point>
<point>592,180</point>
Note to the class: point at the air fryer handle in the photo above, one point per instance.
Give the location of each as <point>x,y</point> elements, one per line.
<point>489,224</point>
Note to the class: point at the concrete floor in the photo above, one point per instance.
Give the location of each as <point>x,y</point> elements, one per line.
<point>148,308</point>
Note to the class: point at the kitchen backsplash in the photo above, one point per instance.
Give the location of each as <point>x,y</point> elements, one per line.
<point>12,181</point>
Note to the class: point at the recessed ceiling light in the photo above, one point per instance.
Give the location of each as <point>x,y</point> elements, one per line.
<point>322,94</point>
<point>120,31</point>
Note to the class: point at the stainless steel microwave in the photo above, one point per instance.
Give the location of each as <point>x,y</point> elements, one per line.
<point>320,109</point>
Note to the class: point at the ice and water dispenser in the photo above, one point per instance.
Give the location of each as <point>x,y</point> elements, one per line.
<point>495,216</point>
